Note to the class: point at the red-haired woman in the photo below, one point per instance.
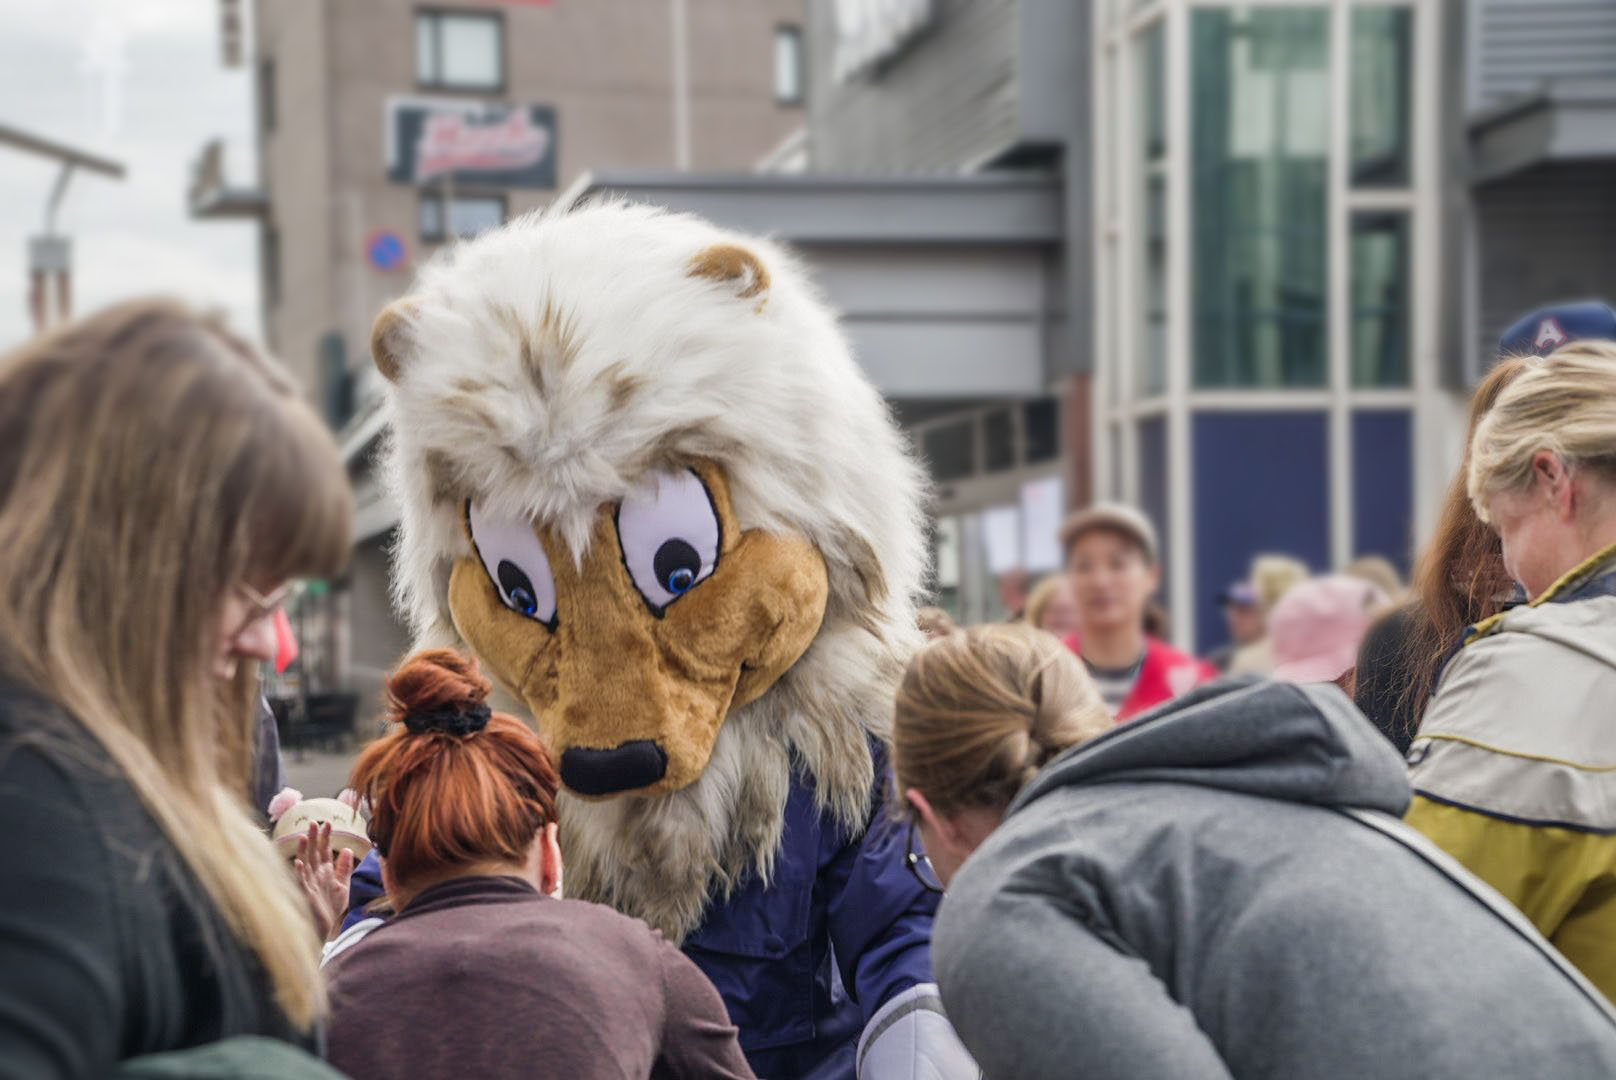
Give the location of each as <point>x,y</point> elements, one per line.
<point>484,971</point>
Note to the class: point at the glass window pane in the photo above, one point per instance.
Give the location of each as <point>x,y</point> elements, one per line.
<point>470,50</point>
<point>1380,316</point>
<point>426,49</point>
<point>1260,111</point>
<point>1040,421</point>
<point>788,65</point>
<point>951,449</point>
<point>1150,370</point>
<point>1382,51</point>
<point>475,214</point>
<point>999,441</point>
<point>431,216</point>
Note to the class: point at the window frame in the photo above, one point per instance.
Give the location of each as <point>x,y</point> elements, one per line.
<point>436,15</point>
<point>433,193</point>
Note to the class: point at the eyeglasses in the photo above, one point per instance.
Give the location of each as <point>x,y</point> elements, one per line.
<point>259,606</point>
<point>919,864</point>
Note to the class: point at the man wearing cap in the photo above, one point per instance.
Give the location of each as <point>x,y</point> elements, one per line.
<point>1111,559</point>
<point>1243,611</point>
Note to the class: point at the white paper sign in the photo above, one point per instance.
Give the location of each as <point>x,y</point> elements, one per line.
<point>1041,504</point>
<point>1001,533</point>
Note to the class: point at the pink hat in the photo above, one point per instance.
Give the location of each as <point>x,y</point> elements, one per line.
<point>1316,629</point>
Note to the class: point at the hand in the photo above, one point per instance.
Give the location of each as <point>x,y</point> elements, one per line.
<point>324,879</point>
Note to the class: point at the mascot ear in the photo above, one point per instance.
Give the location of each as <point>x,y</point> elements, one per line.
<point>736,266</point>
<point>389,337</point>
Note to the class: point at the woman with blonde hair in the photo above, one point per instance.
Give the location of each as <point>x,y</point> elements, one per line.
<point>1514,767</point>
<point>160,483</point>
<point>1205,892</point>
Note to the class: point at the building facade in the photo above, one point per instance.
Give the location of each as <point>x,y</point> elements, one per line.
<point>1237,263</point>
<point>1288,233</point>
<point>386,129</point>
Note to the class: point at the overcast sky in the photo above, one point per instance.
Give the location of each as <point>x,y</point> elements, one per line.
<point>139,81</point>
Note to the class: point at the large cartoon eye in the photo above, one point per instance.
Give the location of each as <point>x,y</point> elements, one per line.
<point>670,537</point>
<point>516,563</point>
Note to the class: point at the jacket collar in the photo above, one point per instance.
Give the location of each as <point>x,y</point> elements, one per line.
<point>1595,576</point>
<point>463,891</point>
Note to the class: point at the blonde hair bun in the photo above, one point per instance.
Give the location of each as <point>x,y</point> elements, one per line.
<point>979,713</point>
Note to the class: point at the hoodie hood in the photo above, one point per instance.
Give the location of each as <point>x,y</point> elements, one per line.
<point>1303,744</point>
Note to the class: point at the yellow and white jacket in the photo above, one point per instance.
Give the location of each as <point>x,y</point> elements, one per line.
<point>1514,767</point>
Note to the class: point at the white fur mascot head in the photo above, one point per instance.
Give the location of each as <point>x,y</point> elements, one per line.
<point>644,480</point>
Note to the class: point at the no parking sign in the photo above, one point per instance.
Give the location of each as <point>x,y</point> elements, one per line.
<point>386,250</point>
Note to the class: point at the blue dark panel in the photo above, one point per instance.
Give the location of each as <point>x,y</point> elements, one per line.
<point>1153,485</point>
<point>1383,485</point>
<point>1262,484</point>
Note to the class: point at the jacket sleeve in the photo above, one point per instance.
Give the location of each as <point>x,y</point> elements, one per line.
<point>62,1006</point>
<point>1080,1006</point>
<point>698,1040</point>
<point>1545,872</point>
<point>364,888</point>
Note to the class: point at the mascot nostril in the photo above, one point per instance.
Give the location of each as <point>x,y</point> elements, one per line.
<point>644,479</point>
<point>636,764</point>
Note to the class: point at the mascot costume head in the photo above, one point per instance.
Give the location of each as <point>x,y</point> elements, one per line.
<point>643,479</point>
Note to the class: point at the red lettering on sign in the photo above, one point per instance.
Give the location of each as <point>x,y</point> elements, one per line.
<point>454,142</point>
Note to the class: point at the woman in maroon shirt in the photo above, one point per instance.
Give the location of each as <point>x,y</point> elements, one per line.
<point>485,971</point>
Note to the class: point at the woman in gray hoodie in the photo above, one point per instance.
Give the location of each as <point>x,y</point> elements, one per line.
<point>1220,889</point>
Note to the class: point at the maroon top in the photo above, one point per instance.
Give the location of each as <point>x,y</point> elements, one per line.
<point>487,977</point>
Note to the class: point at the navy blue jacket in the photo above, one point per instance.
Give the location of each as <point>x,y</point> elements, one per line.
<point>805,961</point>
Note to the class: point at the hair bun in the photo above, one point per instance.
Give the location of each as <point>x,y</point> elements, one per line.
<point>439,691</point>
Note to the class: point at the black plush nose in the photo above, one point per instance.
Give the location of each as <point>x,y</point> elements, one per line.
<point>636,764</point>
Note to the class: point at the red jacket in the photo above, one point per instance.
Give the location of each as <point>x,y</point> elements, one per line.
<point>1165,674</point>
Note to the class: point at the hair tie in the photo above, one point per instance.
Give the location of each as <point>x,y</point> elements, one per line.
<point>448,719</point>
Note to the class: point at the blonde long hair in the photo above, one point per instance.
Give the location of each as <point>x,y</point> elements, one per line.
<point>150,462</point>
<point>980,712</point>
<point>1565,404</point>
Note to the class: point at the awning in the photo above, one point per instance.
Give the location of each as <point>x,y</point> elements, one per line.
<point>1573,121</point>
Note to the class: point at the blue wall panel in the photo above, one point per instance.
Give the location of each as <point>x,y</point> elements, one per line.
<point>1262,484</point>
<point>1383,485</point>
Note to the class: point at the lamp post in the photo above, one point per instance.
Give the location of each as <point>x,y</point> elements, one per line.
<point>50,254</point>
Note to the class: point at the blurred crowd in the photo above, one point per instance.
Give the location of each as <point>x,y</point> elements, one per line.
<point>1374,835</point>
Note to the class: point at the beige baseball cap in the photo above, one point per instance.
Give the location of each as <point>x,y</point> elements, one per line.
<point>1116,517</point>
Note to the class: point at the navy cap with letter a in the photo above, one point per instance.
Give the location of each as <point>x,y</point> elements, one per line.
<point>1548,328</point>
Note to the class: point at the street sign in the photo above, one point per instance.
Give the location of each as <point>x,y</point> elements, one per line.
<point>386,249</point>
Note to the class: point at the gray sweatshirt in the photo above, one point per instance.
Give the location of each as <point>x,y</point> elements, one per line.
<point>1222,889</point>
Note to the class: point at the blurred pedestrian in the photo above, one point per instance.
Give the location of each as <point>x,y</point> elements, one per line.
<point>1220,890</point>
<point>1243,614</point>
<point>1272,576</point>
<point>1514,766</point>
<point>1112,566</point>
<point>1013,585</point>
<point>1378,571</point>
<point>1051,606</point>
<point>486,971</point>
<point>160,483</point>
<point>1317,629</point>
